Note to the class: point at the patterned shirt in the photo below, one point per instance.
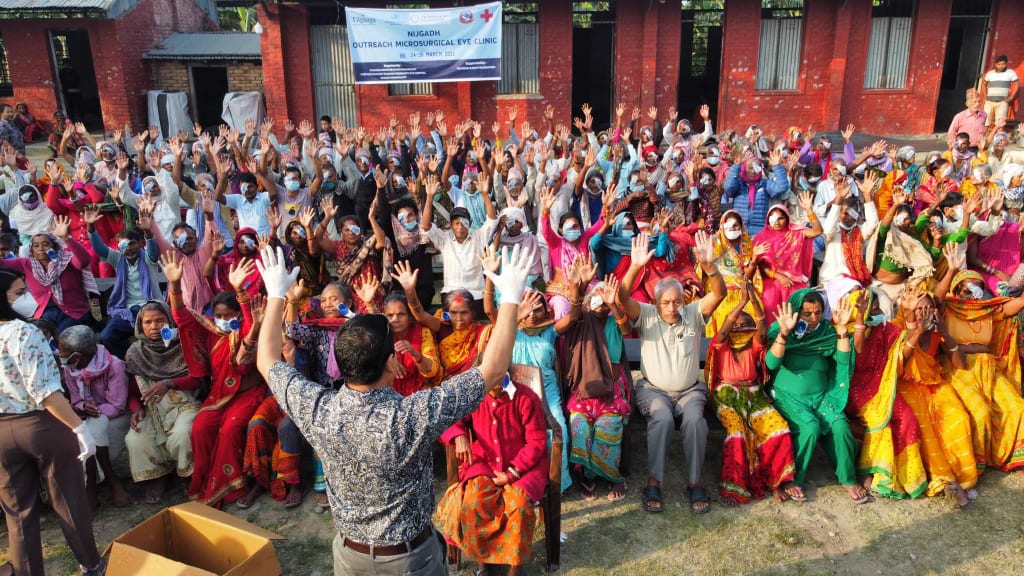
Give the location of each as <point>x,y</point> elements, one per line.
<point>11,133</point>
<point>376,448</point>
<point>28,372</point>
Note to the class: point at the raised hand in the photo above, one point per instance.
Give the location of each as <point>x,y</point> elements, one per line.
<point>328,208</point>
<point>531,300</point>
<point>705,112</point>
<point>867,185</point>
<point>217,241</point>
<point>258,308</point>
<point>367,289</point>
<point>954,259</point>
<point>307,216</point>
<point>641,254</point>
<point>406,275</point>
<point>620,109</point>
<point>705,247</point>
<point>274,218</point>
<point>145,220</point>
<point>806,201</point>
<point>786,317</point>
<point>515,269</point>
<point>899,196</point>
<point>547,199</point>
<point>239,273</point>
<point>586,269</point>
<point>610,289</point>
<point>848,133</point>
<point>489,258</point>
<point>91,214</point>
<point>172,265</point>
<point>843,313</point>
<point>277,280</point>
<point>61,226</point>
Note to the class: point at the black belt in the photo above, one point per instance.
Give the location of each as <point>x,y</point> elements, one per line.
<point>392,550</point>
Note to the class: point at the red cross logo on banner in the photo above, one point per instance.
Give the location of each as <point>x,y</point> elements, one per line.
<point>486,15</point>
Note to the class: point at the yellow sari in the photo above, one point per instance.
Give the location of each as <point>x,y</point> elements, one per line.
<point>731,263</point>
<point>990,385</point>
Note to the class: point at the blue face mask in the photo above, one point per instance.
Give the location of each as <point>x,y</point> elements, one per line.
<point>226,325</point>
<point>713,160</point>
<point>410,225</point>
<point>572,234</point>
<point>876,320</point>
<point>627,233</point>
<point>329,186</point>
<point>291,185</point>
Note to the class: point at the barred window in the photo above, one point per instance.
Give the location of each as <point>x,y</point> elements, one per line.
<point>520,48</point>
<point>778,58</point>
<point>6,89</point>
<point>889,45</point>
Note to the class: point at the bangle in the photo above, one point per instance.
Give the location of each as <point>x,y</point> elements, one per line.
<point>843,336</point>
<point>576,302</point>
<point>248,345</point>
<point>780,342</point>
<point>954,348</point>
<point>514,472</point>
<point>756,318</point>
<point>908,344</point>
<point>859,327</point>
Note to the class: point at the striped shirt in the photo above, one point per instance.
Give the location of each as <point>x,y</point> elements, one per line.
<point>998,84</point>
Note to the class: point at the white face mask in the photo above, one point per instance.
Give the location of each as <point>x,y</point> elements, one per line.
<point>25,305</point>
<point>733,234</point>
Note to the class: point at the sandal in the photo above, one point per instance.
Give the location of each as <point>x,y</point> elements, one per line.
<point>698,495</point>
<point>653,494</point>
<point>795,496</point>
<point>617,492</point>
<point>588,488</point>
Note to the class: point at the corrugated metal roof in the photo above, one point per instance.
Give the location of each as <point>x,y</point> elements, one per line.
<point>55,4</point>
<point>207,46</point>
<point>65,8</point>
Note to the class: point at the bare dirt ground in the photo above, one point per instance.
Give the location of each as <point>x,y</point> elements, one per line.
<point>827,535</point>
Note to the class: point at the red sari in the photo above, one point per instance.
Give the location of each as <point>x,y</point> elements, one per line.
<point>676,265</point>
<point>254,283</point>
<point>789,252</point>
<point>422,340</point>
<point>219,430</point>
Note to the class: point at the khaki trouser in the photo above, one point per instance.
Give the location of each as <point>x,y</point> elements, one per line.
<point>427,559</point>
<point>37,447</point>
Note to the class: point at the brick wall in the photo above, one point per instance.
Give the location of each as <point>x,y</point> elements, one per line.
<point>287,80</point>
<point>245,77</point>
<point>169,76</point>
<point>647,55</point>
<point>117,49</point>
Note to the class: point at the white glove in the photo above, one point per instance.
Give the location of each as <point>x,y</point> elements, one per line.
<point>515,269</point>
<point>86,443</point>
<point>276,278</point>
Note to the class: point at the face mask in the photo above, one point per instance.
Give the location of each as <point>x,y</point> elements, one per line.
<point>976,291</point>
<point>329,186</point>
<point>847,227</point>
<point>64,362</point>
<point>25,305</point>
<point>226,325</point>
<point>773,219</point>
<point>900,219</point>
<point>876,320</point>
<point>706,180</point>
<point>733,234</point>
<point>122,246</point>
<point>572,234</point>
<point>31,205</point>
<point>800,330</point>
<point>596,302</point>
<point>168,334</point>
<point>180,240</point>
<point>803,183</point>
<point>291,185</point>
<point>628,233</point>
<point>713,160</point>
<point>813,180</point>
<point>410,225</point>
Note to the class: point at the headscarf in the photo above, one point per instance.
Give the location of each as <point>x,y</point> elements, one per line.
<point>615,240</point>
<point>1011,171</point>
<point>407,240</point>
<point>788,250</point>
<point>34,221</point>
<point>821,342</point>
<point>1002,252</point>
<point>723,244</point>
<point>156,360</point>
<point>50,276</point>
<point>254,281</point>
<point>907,252</point>
<point>751,181</point>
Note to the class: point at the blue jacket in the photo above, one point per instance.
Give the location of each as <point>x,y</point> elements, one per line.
<point>736,197</point>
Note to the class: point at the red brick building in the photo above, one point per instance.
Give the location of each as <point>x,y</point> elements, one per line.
<point>87,55</point>
<point>890,66</point>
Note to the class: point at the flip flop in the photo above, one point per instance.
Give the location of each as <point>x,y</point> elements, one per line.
<point>653,494</point>
<point>794,497</point>
<point>589,491</point>
<point>612,497</point>
<point>302,496</point>
<point>698,494</point>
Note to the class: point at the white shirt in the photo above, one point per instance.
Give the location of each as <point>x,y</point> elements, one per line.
<point>834,264</point>
<point>251,214</point>
<point>461,260</point>
<point>826,193</point>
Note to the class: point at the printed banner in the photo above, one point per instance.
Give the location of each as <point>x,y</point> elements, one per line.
<point>434,45</point>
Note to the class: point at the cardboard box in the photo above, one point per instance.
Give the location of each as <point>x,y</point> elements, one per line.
<point>194,540</point>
